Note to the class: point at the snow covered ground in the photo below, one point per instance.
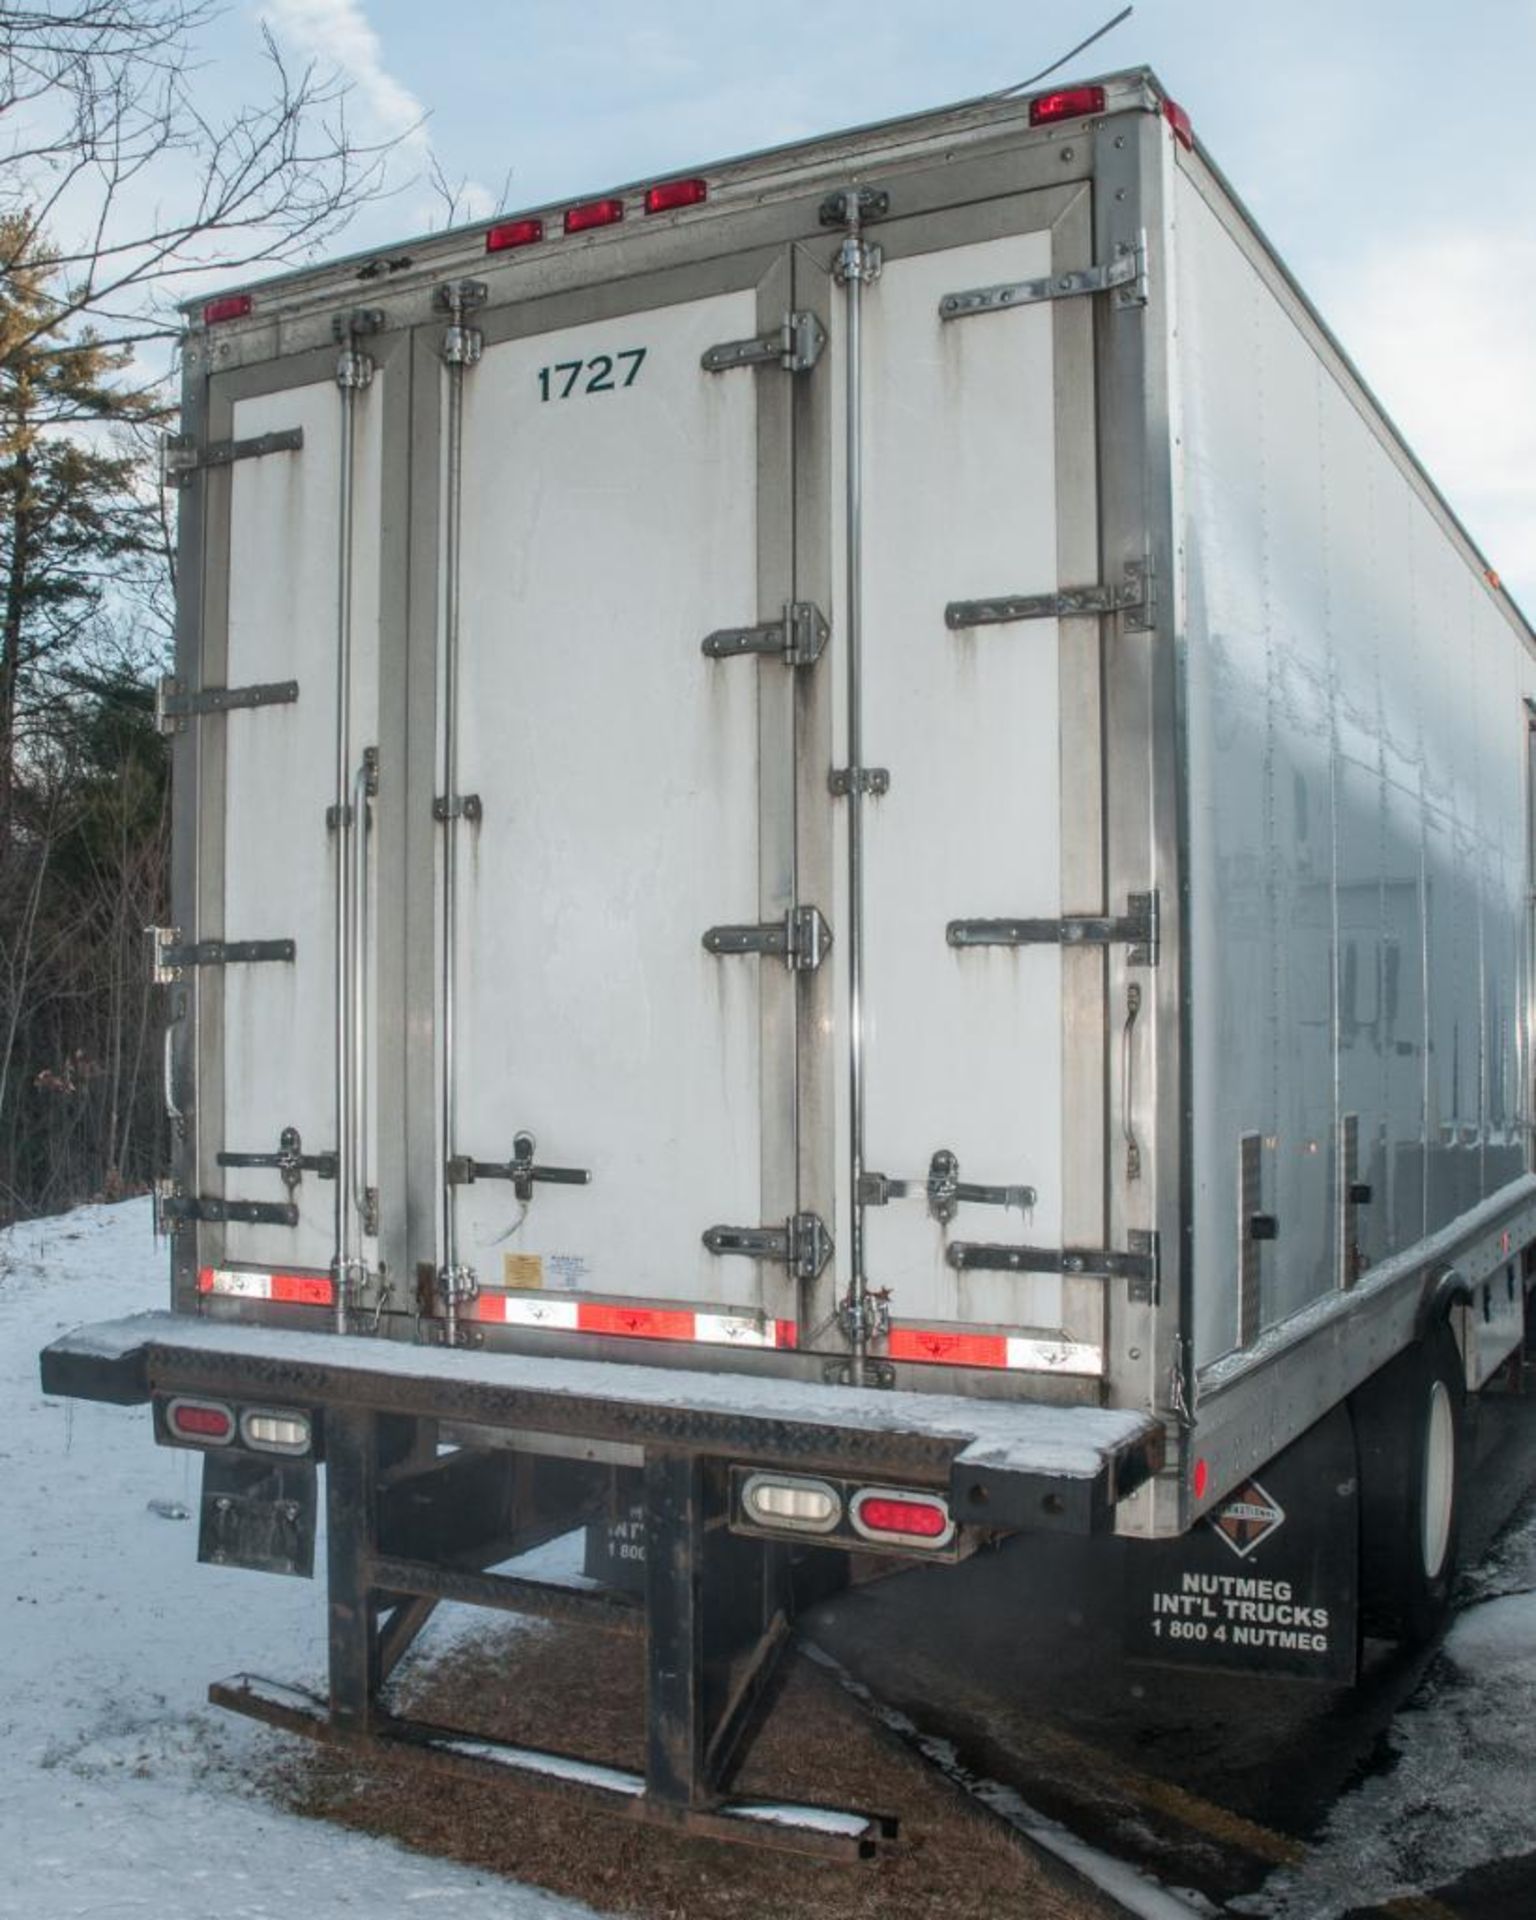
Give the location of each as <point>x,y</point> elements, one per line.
<point>121,1791</point>
<point>1458,1792</point>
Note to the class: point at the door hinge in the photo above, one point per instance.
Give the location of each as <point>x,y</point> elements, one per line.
<point>1138,1265</point>
<point>944,1188</point>
<point>801,939</point>
<point>798,636</point>
<point>181,458</point>
<point>802,1244</point>
<point>174,705</point>
<point>176,1209</point>
<point>875,781</point>
<point>1125,276</point>
<point>170,961</point>
<point>1132,597</point>
<point>462,1171</point>
<point>796,345</point>
<point>290,1160</point>
<point>1138,927</point>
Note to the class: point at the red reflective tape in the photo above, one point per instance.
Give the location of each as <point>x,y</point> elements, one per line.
<point>303,1290</point>
<point>948,1349</point>
<point>639,1323</point>
<point>785,1333</point>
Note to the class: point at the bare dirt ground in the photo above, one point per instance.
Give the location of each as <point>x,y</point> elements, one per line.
<point>581,1693</point>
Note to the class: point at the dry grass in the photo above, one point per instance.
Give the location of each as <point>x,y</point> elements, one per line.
<point>582,1693</point>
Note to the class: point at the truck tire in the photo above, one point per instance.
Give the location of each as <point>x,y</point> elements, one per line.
<point>1408,1434</point>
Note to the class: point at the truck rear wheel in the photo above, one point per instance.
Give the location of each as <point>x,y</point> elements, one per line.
<point>1408,1432</point>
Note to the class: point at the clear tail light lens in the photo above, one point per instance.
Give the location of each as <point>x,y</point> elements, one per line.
<point>787,1501</point>
<point>270,1431</point>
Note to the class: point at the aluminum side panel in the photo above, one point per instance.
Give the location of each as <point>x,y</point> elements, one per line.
<point>279,863</point>
<point>1357,824</point>
<point>605,533</point>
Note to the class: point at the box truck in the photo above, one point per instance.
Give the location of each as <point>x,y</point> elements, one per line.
<point>853,846</point>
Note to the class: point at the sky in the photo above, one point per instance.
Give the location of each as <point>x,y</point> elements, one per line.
<point>1384,148</point>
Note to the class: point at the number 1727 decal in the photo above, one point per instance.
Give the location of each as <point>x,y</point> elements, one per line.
<point>564,378</point>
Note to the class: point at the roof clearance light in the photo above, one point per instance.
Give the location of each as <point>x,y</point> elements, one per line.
<point>1179,120</point>
<point>902,1518</point>
<point>1200,1479</point>
<point>513,233</point>
<point>1068,103</point>
<point>595,213</point>
<point>675,193</point>
<point>233,306</point>
<point>204,1422</point>
<point>803,1506</point>
<point>275,1432</point>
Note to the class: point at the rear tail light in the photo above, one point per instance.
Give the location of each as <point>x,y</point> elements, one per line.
<point>675,193</point>
<point>232,306</point>
<point>785,1500</point>
<point>594,213</point>
<point>203,1422</point>
<point>513,233</point>
<point>896,1517</point>
<point>1067,103</point>
<point>270,1431</point>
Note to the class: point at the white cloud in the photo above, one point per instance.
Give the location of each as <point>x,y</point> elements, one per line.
<point>1440,326</point>
<point>339,34</point>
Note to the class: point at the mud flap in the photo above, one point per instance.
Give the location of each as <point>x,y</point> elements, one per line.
<point>258,1514</point>
<point>1268,1581</point>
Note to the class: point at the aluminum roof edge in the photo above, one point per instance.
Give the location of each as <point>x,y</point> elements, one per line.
<point>1130,90</point>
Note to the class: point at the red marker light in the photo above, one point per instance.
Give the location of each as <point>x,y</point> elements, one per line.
<point>675,193</point>
<point>595,213</point>
<point>1069,103</point>
<point>201,1421</point>
<point>889,1514</point>
<point>233,306</point>
<point>1201,1479</point>
<point>513,233</point>
<point>1179,120</point>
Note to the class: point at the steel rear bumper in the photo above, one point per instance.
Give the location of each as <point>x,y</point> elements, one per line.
<point>1003,1464</point>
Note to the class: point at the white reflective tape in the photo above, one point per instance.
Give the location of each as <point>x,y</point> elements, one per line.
<point>734,1330</point>
<point>519,1311</point>
<point>239,1286</point>
<point>1054,1356</point>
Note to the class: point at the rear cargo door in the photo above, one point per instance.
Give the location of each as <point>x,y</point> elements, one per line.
<point>984,1061</point>
<point>620,503</point>
<point>282,526</point>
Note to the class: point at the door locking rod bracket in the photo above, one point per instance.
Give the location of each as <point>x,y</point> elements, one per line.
<point>521,1170</point>
<point>944,1188</point>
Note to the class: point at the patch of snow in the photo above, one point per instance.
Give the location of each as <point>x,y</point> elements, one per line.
<point>122,1791</point>
<point>1457,1793</point>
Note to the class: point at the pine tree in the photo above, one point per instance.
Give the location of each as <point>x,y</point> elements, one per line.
<point>80,525</point>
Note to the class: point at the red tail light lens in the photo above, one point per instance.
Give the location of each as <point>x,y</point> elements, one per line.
<point>233,306</point>
<point>513,233</point>
<point>675,193</point>
<point>596,213</point>
<point>204,1422</point>
<point>888,1515</point>
<point>1067,103</point>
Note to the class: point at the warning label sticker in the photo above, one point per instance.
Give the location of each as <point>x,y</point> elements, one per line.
<point>1247,1519</point>
<point>522,1270</point>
